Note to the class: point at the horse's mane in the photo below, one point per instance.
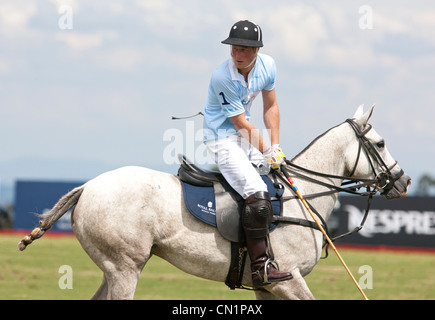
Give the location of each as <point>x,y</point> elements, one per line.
<point>312,142</point>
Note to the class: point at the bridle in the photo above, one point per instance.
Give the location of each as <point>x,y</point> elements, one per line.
<point>384,180</point>
<point>382,183</point>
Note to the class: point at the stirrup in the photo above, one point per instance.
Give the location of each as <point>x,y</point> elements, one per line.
<point>269,261</point>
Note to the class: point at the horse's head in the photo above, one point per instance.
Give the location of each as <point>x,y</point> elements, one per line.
<point>373,159</point>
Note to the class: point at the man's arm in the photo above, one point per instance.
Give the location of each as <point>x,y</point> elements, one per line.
<point>271,115</point>
<point>249,132</point>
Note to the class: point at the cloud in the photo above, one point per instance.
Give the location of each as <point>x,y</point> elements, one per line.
<point>299,30</point>
<point>5,66</point>
<point>126,67</point>
<point>125,59</point>
<point>166,20</point>
<point>80,41</point>
<point>331,33</point>
<point>16,14</point>
<point>184,22</point>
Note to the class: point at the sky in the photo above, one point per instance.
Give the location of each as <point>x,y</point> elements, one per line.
<point>90,86</point>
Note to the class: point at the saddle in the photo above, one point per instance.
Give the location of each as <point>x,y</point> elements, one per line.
<point>210,198</point>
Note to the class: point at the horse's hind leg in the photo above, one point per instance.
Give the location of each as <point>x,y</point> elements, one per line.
<point>121,267</point>
<point>121,274</point>
<point>121,284</point>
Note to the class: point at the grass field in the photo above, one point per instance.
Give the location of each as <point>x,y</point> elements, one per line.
<point>34,274</point>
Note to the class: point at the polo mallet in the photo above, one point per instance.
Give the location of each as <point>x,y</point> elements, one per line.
<point>295,188</point>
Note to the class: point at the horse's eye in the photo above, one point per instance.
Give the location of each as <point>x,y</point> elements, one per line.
<point>381,144</point>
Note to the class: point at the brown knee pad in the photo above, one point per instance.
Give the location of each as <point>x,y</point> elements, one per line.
<point>257,215</point>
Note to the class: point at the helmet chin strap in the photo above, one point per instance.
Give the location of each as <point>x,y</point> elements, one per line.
<point>252,62</point>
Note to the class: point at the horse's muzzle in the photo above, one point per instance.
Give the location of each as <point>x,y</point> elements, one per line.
<point>397,186</point>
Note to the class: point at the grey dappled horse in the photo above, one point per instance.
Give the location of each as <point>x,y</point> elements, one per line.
<point>123,217</point>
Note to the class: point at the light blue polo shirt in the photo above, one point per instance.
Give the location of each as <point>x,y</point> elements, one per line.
<point>229,95</point>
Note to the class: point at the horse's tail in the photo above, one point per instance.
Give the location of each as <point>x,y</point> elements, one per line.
<point>48,219</point>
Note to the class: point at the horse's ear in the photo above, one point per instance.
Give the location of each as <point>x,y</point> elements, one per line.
<point>359,112</point>
<point>361,118</point>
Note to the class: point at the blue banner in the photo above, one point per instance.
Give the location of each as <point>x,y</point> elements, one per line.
<point>39,197</point>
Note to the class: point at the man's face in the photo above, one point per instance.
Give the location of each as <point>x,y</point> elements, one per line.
<point>243,56</point>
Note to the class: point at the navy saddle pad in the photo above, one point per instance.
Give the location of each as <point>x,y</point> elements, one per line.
<point>201,200</point>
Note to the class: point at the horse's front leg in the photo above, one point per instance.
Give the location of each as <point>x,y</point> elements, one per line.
<point>293,289</point>
<point>264,295</point>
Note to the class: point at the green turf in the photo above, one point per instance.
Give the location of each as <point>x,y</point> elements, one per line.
<point>34,274</point>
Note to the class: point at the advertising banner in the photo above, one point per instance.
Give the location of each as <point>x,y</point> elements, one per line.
<point>407,222</point>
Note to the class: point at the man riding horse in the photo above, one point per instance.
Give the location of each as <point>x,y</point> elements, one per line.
<point>237,146</point>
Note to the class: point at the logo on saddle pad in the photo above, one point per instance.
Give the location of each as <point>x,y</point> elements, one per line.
<point>209,209</point>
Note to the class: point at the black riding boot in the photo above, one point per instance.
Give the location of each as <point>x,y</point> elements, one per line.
<point>256,217</point>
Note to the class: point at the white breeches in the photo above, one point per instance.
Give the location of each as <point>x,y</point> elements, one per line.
<point>234,157</point>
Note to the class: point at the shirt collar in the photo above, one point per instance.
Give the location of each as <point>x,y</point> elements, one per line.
<point>236,76</point>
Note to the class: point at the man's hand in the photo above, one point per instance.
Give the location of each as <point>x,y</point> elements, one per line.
<point>274,156</point>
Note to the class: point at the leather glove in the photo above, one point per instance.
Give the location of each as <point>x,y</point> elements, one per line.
<point>274,156</point>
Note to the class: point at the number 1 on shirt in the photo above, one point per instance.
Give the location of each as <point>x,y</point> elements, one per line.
<point>223,97</point>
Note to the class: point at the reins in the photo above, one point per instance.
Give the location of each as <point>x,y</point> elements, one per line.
<point>307,223</point>
<point>349,184</point>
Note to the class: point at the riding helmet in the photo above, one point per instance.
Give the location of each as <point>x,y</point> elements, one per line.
<point>245,33</point>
